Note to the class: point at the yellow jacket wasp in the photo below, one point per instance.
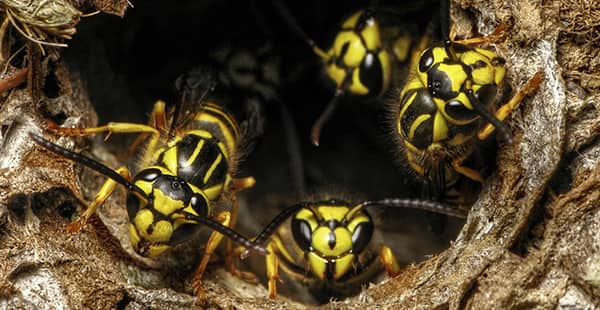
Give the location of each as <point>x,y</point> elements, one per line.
<point>327,244</point>
<point>359,61</point>
<point>185,169</point>
<point>448,104</point>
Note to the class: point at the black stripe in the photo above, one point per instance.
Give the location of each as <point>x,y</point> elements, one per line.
<point>196,172</point>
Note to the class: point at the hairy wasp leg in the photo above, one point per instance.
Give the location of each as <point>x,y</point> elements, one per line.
<point>389,261</point>
<point>158,120</point>
<point>495,36</point>
<point>272,263</point>
<point>105,191</point>
<point>473,174</point>
<point>505,110</point>
<point>213,242</point>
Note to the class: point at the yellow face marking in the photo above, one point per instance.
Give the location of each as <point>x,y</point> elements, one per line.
<point>333,212</point>
<point>166,205</point>
<point>357,87</point>
<point>343,265</point>
<point>147,186</point>
<point>321,236</point>
<point>483,75</point>
<point>144,186</point>
<point>456,73</point>
<point>439,54</point>
<point>351,21</point>
<point>317,265</point>
<point>357,219</point>
<point>143,219</point>
<point>337,74</point>
<point>195,153</point>
<point>371,34</point>
<point>355,52</point>
<point>307,215</point>
<point>413,127</point>
<point>162,231</point>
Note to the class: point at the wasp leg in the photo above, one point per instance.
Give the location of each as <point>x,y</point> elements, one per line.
<point>230,265</point>
<point>505,110</point>
<point>236,185</point>
<point>114,127</point>
<point>212,244</point>
<point>231,253</point>
<point>272,263</point>
<point>495,36</point>
<point>157,120</point>
<point>105,191</point>
<point>389,261</point>
<point>473,174</point>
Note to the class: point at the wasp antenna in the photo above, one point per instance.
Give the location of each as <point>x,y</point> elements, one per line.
<point>315,133</point>
<point>445,28</point>
<point>289,19</point>
<point>280,218</point>
<point>227,232</point>
<point>427,205</point>
<point>88,162</point>
<point>445,21</point>
<point>500,127</point>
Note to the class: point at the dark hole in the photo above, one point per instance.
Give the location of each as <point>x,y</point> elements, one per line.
<point>17,204</point>
<point>51,86</point>
<point>66,209</point>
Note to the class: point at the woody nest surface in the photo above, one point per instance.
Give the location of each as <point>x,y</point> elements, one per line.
<point>530,239</point>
